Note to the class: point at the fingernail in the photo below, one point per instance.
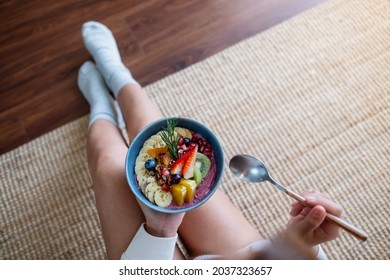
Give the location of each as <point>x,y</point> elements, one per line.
<point>317,212</point>
<point>311,198</point>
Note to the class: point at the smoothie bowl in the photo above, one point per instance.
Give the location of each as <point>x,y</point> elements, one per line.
<point>174,165</point>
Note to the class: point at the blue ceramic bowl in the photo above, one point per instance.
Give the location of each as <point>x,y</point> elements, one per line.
<point>152,129</point>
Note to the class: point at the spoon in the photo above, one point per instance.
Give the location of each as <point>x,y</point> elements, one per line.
<point>253,170</point>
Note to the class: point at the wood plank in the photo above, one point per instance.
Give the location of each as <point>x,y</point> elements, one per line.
<point>13,134</point>
<point>199,35</point>
<point>41,49</point>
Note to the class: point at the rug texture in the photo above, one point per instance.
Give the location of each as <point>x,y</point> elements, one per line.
<point>310,97</point>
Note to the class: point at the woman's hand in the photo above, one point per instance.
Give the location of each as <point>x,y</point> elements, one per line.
<point>309,222</point>
<point>161,224</point>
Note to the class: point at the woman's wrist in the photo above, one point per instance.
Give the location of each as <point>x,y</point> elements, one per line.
<point>160,231</point>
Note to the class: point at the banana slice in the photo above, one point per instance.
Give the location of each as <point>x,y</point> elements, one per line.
<point>180,131</point>
<point>142,178</point>
<point>162,198</point>
<point>141,174</point>
<point>150,191</point>
<point>139,166</point>
<point>150,142</point>
<point>145,181</point>
<point>184,132</point>
<point>142,157</point>
<point>188,133</point>
<point>159,141</point>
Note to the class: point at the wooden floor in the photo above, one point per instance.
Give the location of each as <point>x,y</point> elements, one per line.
<point>41,48</point>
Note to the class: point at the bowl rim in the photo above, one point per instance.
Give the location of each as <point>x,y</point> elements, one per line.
<point>131,179</point>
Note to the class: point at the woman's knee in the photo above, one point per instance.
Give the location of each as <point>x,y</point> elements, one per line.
<point>107,168</point>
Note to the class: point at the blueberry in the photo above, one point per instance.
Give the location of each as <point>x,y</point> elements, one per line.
<point>187,141</point>
<point>175,178</point>
<point>150,164</point>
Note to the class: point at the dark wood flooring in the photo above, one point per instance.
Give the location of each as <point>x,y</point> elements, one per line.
<point>41,48</point>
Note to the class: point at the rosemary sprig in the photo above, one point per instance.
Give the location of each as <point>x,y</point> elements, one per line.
<point>170,138</point>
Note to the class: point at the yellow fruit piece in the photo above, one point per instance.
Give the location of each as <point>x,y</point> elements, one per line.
<point>191,189</point>
<point>187,182</point>
<point>157,151</point>
<point>179,193</point>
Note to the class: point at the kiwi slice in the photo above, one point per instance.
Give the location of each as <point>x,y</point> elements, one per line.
<point>197,175</point>
<point>202,163</point>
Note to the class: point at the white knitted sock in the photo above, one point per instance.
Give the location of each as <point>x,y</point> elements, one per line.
<point>101,44</point>
<point>91,84</point>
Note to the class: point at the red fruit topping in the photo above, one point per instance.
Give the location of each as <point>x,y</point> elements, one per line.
<point>165,188</point>
<point>164,172</point>
<point>180,152</point>
<point>192,145</point>
<point>177,166</point>
<point>188,168</point>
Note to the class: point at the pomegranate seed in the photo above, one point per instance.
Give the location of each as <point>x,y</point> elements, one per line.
<point>165,188</point>
<point>184,147</point>
<point>192,145</point>
<point>165,172</point>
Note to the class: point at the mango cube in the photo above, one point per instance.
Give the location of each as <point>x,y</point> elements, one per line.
<point>179,193</point>
<point>190,187</point>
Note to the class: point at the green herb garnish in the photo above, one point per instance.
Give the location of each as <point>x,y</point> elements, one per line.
<point>171,138</point>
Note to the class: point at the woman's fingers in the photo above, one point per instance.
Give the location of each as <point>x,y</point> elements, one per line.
<point>296,208</point>
<point>313,199</point>
<point>332,207</point>
<point>313,219</point>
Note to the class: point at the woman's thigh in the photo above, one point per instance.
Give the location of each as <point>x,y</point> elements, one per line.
<point>216,227</point>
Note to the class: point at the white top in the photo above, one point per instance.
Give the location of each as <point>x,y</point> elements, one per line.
<point>145,246</point>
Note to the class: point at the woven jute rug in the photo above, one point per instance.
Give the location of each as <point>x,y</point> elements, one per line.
<point>310,97</point>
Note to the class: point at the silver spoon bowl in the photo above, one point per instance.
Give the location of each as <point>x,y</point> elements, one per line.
<point>249,168</point>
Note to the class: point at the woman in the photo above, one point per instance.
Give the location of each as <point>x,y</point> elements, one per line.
<point>133,231</point>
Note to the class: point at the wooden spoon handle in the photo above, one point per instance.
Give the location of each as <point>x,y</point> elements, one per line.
<point>358,233</point>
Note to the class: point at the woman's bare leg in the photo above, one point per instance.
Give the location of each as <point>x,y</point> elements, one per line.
<point>137,109</point>
<point>119,213</point>
<point>216,227</point>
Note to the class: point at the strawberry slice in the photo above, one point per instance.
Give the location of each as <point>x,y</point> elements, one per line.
<point>177,166</point>
<point>188,168</point>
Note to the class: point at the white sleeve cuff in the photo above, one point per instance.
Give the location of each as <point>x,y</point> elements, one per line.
<point>148,247</point>
<point>321,254</point>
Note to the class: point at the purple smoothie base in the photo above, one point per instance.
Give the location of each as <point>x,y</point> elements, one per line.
<point>203,189</point>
